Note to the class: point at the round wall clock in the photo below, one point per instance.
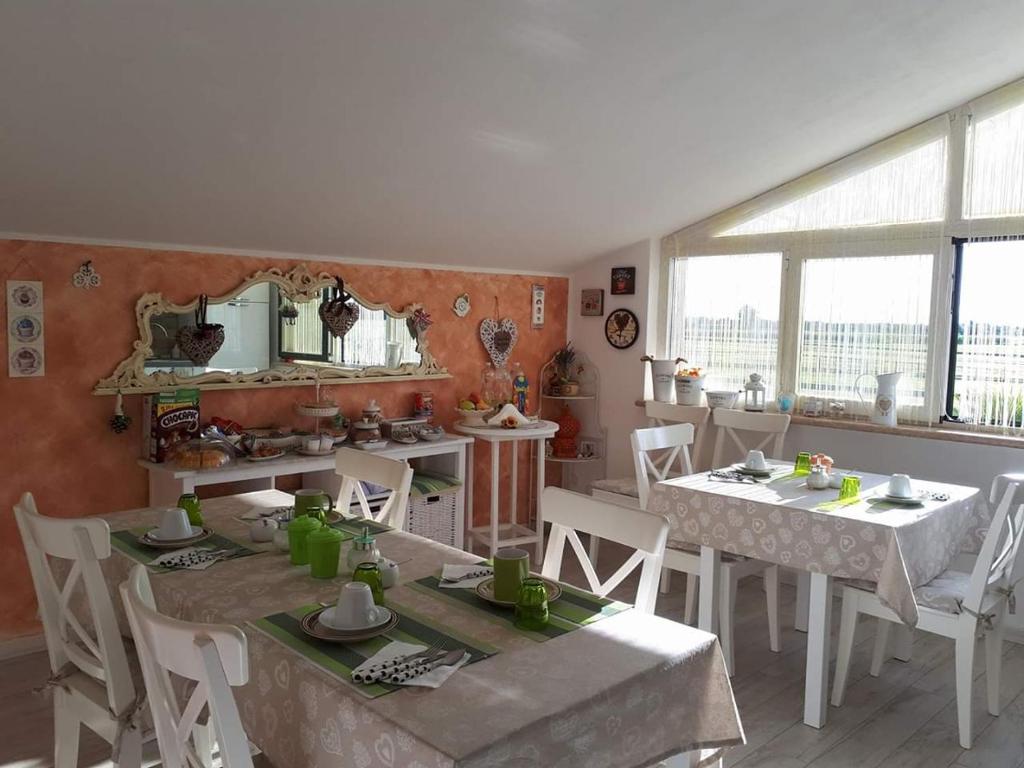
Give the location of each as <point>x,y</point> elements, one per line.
<point>621,329</point>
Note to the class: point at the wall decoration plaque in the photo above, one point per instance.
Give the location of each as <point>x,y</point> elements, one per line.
<point>25,354</point>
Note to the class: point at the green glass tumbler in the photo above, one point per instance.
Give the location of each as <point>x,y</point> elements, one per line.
<point>369,574</point>
<point>324,552</point>
<point>532,606</point>
<point>850,488</point>
<point>803,464</point>
<point>193,508</point>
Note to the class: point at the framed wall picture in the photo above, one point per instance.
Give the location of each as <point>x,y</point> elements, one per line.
<point>623,281</point>
<point>592,302</point>
<point>537,309</point>
<point>26,357</point>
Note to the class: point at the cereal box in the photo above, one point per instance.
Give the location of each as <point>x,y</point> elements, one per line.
<point>169,419</point>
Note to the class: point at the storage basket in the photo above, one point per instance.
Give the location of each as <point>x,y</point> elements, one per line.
<point>432,508</point>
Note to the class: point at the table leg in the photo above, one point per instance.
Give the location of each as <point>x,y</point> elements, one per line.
<point>819,627</point>
<point>513,514</point>
<point>803,586</point>
<point>540,503</point>
<point>495,494</point>
<point>710,585</point>
<point>469,470</point>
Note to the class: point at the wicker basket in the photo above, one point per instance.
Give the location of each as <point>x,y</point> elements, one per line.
<point>433,516</point>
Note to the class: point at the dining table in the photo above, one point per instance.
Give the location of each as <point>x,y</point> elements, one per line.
<point>603,685</point>
<point>892,548</point>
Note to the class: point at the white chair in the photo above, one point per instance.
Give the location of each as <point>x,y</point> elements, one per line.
<point>213,656</point>
<point>672,443</point>
<point>956,604</point>
<point>644,532</point>
<point>357,467</point>
<point>92,680</point>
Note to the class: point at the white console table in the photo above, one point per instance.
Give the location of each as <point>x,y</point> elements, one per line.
<point>167,482</point>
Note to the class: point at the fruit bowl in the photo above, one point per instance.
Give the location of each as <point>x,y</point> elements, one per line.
<point>473,417</point>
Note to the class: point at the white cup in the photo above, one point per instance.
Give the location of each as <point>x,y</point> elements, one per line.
<point>326,442</point>
<point>355,608</point>
<point>312,444</point>
<point>899,486</point>
<point>755,460</point>
<point>174,524</point>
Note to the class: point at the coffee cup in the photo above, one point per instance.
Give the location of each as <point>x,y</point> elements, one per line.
<point>511,566</point>
<point>355,608</point>
<point>174,524</point>
<point>311,444</point>
<point>899,486</point>
<point>755,461</point>
<point>326,443</point>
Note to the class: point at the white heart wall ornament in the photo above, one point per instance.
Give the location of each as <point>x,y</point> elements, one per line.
<point>499,339</point>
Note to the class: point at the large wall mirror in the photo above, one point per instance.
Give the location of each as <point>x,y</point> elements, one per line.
<point>271,334</point>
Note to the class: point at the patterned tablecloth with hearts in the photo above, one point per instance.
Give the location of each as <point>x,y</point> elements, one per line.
<point>781,521</point>
<point>626,691</point>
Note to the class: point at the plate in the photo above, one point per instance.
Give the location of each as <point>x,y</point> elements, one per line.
<point>204,533</point>
<point>327,614</point>
<point>370,445</point>
<point>485,589</point>
<point>304,452</point>
<point>430,437</point>
<point>311,625</point>
<point>918,498</point>
<point>277,455</point>
<point>155,535</point>
<point>744,470</point>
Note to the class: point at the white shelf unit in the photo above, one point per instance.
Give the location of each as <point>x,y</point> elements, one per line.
<point>578,472</point>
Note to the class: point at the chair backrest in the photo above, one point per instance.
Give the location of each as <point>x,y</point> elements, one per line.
<point>772,426</point>
<point>673,441</point>
<point>997,564</point>
<point>356,466</point>
<point>215,656</point>
<point>95,647</point>
<point>645,532</point>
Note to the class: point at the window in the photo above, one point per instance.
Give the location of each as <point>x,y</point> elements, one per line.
<point>725,316</point>
<point>986,371</point>
<point>865,315</point>
<point>908,188</point>
<point>307,338</point>
<point>994,180</point>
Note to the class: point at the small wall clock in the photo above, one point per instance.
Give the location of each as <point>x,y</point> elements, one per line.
<point>621,329</point>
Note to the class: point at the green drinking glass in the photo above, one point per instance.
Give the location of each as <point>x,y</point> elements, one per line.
<point>803,463</point>
<point>193,508</point>
<point>850,489</point>
<point>324,551</point>
<point>369,574</point>
<point>532,606</point>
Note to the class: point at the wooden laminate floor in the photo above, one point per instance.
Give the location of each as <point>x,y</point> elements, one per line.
<point>906,718</point>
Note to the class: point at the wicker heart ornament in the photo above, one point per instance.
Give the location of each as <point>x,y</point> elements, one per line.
<point>337,314</point>
<point>201,341</point>
<point>499,338</point>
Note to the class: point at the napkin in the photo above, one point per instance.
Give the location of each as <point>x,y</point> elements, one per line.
<point>508,411</point>
<point>432,679</point>
<point>189,558</point>
<point>452,571</point>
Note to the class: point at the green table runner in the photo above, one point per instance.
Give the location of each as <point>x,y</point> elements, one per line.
<point>127,542</point>
<point>573,610</point>
<point>339,659</point>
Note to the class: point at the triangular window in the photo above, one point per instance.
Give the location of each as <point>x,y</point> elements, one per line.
<point>906,189</point>
<point>994,173</point>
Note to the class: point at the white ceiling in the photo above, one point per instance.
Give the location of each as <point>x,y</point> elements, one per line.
<point>487,133</point>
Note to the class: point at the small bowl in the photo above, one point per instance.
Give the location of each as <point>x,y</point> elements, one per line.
<point>721,398</point>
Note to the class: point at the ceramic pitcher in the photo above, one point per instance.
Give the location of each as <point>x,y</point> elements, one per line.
<point>883,410</point>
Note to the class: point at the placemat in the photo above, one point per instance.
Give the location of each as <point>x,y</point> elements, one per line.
<point>127,542</point>
<point>576,608</point>
<point>355,525</point>
<point>339,659</point>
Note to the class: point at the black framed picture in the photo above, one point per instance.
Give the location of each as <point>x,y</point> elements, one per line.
<point>623,281</point>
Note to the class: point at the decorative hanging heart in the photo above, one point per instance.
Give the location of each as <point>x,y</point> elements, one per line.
<point>337,314</point>
<point>201,341</point>
<point>499,338</point>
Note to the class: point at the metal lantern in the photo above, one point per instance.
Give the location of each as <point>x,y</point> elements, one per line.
<point>753,399</point>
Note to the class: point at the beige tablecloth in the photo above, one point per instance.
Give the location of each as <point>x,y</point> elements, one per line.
<point>897,548</point>
<point>626,691</point>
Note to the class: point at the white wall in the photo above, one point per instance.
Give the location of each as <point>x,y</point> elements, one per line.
<point>622,373</point>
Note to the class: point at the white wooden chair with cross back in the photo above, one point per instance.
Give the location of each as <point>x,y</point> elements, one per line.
<point>357,467</point>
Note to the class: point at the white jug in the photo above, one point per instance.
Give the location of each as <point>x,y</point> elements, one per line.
<point>663,373</point>
<point>883,410</point>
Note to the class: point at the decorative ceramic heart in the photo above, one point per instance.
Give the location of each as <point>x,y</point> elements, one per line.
<point>499,339</point>
<point>200,343</point>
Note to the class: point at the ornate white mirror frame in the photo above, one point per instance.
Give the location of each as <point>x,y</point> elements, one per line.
<point>299,284</point>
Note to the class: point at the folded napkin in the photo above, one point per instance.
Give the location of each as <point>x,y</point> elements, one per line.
<point>189,558</point>
<point>508,411</point>
<point>430,679</point>
<point>469,576</point>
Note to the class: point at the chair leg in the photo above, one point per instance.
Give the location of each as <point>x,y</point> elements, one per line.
<point>994,664</point>
<point>204,740</point>
<point>904,643</point>
<point>965,678</point>
<point>803,594</point>
<point>65,731</point>
<point>129,751</point>
<point>727,606</point>
<point>692,590</point>
<point>878,655</point>
<point>666,580</point>
<point>847,631</point>
<point>595,546</point>
<point>771,588</point>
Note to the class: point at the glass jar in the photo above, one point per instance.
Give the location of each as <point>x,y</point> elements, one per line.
<point>193,507</point>
<point>532,605</point>
<point>369,574</point>
<point>298,538</point>
<point>496,385</point>
<point>364,550</point>
<point>324,552</point>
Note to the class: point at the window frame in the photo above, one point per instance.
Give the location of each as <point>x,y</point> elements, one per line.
<point>325,342</point>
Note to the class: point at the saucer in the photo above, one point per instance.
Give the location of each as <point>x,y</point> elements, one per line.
<point>918,498</point>
<point>304,452</point>
<point>155,535</point>
<point>311,625</point>
<point>370,445</point>
<point>326,618</point>
<point>743,469</point>
<point>157,543</point>
<point>485,589</point>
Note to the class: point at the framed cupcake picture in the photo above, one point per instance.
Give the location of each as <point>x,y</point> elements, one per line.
<point>25,357</point>
<point>623,281</point>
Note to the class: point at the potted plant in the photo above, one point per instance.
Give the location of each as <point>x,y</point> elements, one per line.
<point>563,382</point>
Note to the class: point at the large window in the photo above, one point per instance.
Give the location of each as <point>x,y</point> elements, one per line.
<point>907,256</point>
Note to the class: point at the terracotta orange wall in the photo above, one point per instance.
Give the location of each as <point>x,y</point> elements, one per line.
<point>55,440</point>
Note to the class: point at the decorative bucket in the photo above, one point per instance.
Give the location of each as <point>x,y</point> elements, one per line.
<point>688,389</point>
